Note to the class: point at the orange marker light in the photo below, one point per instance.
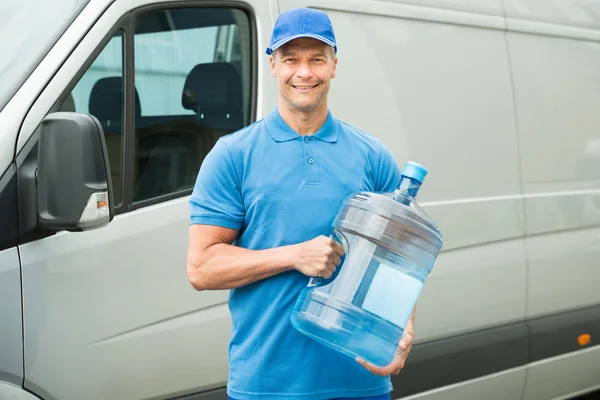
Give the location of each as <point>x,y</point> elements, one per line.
<point>101,204</point>
<point>584,339</point>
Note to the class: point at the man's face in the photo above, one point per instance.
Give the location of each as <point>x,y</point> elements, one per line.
<point>304,68</point>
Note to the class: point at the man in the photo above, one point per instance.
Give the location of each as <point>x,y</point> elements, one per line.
<point>261,213</point>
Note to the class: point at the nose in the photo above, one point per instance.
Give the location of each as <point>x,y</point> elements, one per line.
<point>303,71</point>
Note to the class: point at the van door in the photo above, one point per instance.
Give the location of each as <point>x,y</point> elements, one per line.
<point>555,58</point>
<point>109,314</point>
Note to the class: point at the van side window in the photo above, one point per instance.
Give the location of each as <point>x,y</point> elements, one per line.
<point>192,72</point>
<point>100,92</point>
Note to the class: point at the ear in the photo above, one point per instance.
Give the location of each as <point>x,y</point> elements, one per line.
<point>334,70</point>
<point>272,64</point>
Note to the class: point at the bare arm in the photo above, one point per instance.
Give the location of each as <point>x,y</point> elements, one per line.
<point>214,263</point>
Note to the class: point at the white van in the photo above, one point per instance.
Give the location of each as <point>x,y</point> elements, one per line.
<point>107,109</point>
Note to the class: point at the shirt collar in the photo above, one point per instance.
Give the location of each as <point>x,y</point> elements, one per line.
<point>280,131</point>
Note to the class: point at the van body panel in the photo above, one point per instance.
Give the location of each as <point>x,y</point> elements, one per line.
<point>505,385</point>
<point>468,222</point>
<point>545,119</point>
<point>112,310</point>
<point>409,11</point>
<point>582,14</point>
<point>560,157</point>
<point>473,289</point>
<point>572,207</point>
<point>10,392</point>
<point>11,332</point>
<point>561,376</point>
<point>563,271</point>
<point>433,365</point>
<point>486,7</point>
<point>563,333</point>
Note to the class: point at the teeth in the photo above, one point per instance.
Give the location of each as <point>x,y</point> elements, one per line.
<point>304,87</point>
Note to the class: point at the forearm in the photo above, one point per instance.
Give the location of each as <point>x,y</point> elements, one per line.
<point>224,266</point>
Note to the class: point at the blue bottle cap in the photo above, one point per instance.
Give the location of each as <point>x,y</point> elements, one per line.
<point>415,171</point>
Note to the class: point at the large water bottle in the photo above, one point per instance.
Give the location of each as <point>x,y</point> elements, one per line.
<point>390,247</point>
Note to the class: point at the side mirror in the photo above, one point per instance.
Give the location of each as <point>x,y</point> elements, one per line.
<point>73,177</point>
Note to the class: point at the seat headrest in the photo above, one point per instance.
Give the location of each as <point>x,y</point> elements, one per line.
<point>106,100</point>
<point>213,88</point>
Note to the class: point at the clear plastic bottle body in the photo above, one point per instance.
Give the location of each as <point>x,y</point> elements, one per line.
<point>391,246</point>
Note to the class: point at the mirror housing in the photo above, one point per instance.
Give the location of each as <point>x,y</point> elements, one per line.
<point>73,178</point>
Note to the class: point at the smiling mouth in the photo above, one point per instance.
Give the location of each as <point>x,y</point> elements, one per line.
<point>304,87</point>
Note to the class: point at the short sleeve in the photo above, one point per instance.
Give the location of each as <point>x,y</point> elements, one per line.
<point>388,172</point>
<point>216,198</point>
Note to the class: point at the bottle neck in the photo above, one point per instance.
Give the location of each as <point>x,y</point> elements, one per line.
<point>408,187</point>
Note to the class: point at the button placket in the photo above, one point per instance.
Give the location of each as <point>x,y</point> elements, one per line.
<point>313,174</point>
<point>311,164</point>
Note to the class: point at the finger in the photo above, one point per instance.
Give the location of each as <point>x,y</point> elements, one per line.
<point>336,259</point>
<point>337,248</point>
<point>398,363</point>
<point>331,266</point>
<point>396,366</point>
<point>402,354</point>
<point>405,344</point>
<point>375,369</point>
<point>409,330</point>
<point>370,367</point>
<point>406,341</point>
<point>326,273</point>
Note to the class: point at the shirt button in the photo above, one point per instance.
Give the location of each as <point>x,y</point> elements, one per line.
<point>311,160</point>
<point>306,140</point>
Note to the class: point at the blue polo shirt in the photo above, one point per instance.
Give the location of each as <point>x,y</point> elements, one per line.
<point>279,188</point>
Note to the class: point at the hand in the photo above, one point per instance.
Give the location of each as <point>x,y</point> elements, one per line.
<point>317,257</point>
<point>401,354</point>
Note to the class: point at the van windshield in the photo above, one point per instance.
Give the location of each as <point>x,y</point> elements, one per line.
<point>28,29</point>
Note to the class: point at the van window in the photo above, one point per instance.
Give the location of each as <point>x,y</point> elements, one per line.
<point>100,92</point>
<point>192,70</point>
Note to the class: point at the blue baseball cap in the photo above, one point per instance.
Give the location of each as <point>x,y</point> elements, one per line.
<point>302,22</point>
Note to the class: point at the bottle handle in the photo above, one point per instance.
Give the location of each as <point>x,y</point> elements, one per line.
<point>338,237</point>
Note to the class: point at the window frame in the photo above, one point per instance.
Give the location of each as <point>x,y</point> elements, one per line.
<point>130,88</point>
<point>126,24</point>
<point>122,25</point>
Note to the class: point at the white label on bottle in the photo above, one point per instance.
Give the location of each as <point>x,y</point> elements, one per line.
<point>392,295</point>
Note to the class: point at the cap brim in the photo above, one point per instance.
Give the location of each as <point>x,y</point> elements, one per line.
<point>281,42</point>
